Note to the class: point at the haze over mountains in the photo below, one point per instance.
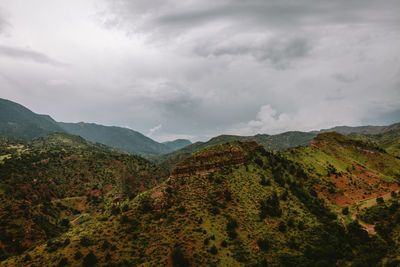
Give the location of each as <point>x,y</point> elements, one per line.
<point>18,121</point>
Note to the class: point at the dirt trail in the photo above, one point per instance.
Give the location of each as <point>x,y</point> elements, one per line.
<point>365,204</point>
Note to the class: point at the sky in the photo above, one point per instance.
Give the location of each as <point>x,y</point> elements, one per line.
<point>199,68</point>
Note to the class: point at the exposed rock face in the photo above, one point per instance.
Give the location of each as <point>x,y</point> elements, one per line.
<point>209,161</point>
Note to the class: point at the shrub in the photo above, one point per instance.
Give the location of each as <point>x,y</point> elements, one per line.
<point>64,222</point>
<point>63,262</point>
<point>213,250</point>
<point>78,255</point>
<point>380,200</point>
<point>270,207</point>
<point>263,244</point>
<point>345,211</point>
<point>145,204</point>
<point>105,245</point>
<point>115,210</point>
<point>282,227</point>
<point>178,259</point>
<point>224,244</point>
<point>90,260</point>
<point>85,241</point>
<point>182,209</point>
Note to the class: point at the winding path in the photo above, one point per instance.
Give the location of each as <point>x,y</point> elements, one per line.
<point>365,204</point>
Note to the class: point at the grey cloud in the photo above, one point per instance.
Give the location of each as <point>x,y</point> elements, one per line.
<point>345,78</point>
<point>280,51</point>
<point>201,68</point>
<point>258,13</point>
<point>27,54</point>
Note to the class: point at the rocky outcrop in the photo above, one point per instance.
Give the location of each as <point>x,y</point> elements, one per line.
<point>215,158</point>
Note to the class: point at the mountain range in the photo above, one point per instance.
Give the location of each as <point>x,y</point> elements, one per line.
<point>293,199</point>
<point>18,121</point>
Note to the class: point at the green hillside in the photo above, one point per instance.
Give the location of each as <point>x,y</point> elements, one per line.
<point>277,142</point>
<point>372,130</point>
<point>390,140</point>
<point>60,181</point>
<point>117,137</point>
<point>18,121</point>
<point>227,205</point>
<point>177,144</point>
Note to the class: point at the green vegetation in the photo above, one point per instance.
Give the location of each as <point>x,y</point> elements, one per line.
<point>69,202</point>
<point>16,121</point>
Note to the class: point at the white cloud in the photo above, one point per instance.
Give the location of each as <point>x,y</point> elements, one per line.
<point>154,130</point>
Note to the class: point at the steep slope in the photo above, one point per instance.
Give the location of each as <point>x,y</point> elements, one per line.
<point>52,183</point>
<point>348,170</point>
<point>117,137</point>
<point>18,121</point>
<point>177,144</point>
<point>227,205</point>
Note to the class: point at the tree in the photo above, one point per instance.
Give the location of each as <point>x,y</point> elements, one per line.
<point>214,250</point>
<point>90,260</point>
<point>345,211</point>
<point>178,259</point>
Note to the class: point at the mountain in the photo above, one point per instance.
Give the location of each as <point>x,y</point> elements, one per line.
<point>117,137</point>
<point>177,144</point>
<point>362,129</point>
<point>349,171</point>
<point>235,204</point>
<point>277,142</point>
<point>18,121</point>
<point>390,140</point>
<point>57,182</point>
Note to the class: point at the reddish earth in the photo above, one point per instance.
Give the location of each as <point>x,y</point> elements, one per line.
<point>215,160</point>
<point>362,184</point>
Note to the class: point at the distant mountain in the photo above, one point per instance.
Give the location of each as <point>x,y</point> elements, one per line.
<point>390,141</point>
<point>117,137</point>
<point>18,121</point>
<point>362,129</point>
<point>283,141</point>
<point>277,142</point>
<point>66,140</point>
<point>177,144</point>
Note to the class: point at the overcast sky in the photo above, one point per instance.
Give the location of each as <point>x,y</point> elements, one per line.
<point>198,68</point>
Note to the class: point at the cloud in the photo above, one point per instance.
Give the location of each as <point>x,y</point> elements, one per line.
<point>27,54</point>
<point>279,51</point>
<point>203,68</point>
<point>3,23</point>
<point>155,129</point>
<point>268,120</point>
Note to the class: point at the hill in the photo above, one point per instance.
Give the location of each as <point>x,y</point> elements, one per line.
<point>277,142</point>
<point>372,130</point>
<point>232,204</point>
<point>390,140</point>
<point>18,121</point>
<point>60,181</point>
<point>177,144</point>
<point>117,137</point>
<point>348,170</point>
